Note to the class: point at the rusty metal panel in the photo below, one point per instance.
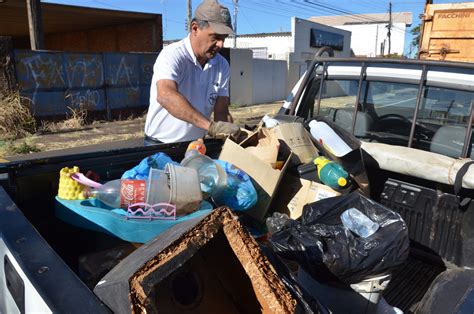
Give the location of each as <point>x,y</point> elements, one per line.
<point>121,69</point>
<point>55,81</point>
<point>123,97</point>
<point>127,78</point>
<point>146,67</point>
<point>88,99</point>
<point>83,70</point>
<point>37,71</point>
<point>58,81</point>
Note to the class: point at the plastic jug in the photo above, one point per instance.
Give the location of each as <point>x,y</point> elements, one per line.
<point>212,178</point>
<point>329,139</point>
<point>330,173</point>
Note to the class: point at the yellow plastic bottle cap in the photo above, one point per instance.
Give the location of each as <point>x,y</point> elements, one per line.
<point>341,181</point>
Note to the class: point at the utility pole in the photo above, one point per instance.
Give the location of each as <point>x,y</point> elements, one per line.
<point>376,41</point>
<point>190,16</point>
<point>236,3</point>
<point>389,26</point>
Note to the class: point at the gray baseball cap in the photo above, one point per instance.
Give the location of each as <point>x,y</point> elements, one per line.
<point>216,15</point>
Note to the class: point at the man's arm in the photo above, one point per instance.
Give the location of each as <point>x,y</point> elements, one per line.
<point>178,106</point>
<point>221,110</point>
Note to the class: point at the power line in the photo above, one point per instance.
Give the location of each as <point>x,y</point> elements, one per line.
<point>289,10</point>
<point>248,22</point>
<point>357,16</point>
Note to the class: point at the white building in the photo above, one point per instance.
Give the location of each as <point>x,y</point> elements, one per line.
<point>274,46</point>
<point>280,45</point>
<point>265,67</point>
<point>370,31</point>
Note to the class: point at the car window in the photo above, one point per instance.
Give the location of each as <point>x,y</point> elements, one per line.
<point>390,108</point>
<point>386,110</point>
<point>442,121</point>
<point>338,99</point>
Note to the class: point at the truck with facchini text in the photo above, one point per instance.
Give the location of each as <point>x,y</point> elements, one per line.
<point>447,32</point>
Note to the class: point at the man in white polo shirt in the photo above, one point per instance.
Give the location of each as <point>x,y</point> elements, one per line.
<point>191,81</point>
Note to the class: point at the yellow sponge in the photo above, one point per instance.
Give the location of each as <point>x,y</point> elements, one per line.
<point>69,189</point>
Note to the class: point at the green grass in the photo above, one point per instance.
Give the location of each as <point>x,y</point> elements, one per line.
<point>234,106</point>
<point>22,148</point>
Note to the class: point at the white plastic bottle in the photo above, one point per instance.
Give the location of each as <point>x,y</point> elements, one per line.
<point>326,136</point>
<point>357,222</point>
<point>269,122</point>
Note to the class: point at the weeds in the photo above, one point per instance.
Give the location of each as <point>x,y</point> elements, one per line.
<point>24,148</point>
<point>11,148</point>
<point>75,120</point>
<point>16,120</point>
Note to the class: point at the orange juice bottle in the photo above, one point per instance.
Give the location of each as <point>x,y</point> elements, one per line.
<point>197,145</point>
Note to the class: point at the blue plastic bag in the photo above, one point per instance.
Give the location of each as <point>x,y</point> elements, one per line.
<point>140,171</point>
<point>240,194</point>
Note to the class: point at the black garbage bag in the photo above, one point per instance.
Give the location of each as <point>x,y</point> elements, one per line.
<point>330,252</point>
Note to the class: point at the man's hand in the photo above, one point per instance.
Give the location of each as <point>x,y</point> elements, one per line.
<point>221,129</point>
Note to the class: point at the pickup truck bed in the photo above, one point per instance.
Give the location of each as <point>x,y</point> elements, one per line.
<point>48,254</point>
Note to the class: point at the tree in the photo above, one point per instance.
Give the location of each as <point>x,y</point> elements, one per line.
<point>416,32</point>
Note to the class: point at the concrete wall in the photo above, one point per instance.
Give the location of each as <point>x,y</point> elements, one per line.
<point>277,47</point>
<point>255,81</point>
<point>241,77</point>
<point>269,80</point>
<point>367,38</point>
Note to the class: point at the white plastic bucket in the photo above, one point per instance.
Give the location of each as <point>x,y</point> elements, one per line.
<point>185,189</point>
<point>176,185</point>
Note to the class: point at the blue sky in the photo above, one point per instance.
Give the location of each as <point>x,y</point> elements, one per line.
<point>258,16</point>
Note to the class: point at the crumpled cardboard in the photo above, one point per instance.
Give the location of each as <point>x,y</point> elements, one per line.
<point>266,148</point>
<point>296,192</point>
<point>266,179</point>
<point>298,139</point>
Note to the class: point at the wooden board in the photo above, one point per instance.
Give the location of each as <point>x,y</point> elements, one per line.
<point>448,32</point>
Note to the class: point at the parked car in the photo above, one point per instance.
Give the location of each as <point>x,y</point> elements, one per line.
<point>414,120</point>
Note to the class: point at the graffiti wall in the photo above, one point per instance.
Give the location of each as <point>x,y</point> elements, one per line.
<point>57,82</point>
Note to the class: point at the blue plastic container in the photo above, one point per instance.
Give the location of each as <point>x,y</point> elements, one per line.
<point>94,215</point>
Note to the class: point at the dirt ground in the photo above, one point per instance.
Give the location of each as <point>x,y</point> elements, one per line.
<point>102,132</point>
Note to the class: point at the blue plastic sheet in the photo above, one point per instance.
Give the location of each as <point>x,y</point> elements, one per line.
<point>240,194</point>
<point>156,161</point>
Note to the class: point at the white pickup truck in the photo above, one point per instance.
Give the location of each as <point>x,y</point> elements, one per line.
<point>414,120</point>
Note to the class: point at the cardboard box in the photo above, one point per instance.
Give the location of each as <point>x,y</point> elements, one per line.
<point>264,177</point>
<point>297,192</point>
<point>297,138</point>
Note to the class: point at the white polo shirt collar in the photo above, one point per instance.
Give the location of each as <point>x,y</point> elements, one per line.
<point>192,56</point>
